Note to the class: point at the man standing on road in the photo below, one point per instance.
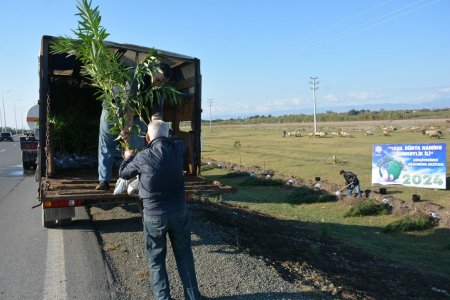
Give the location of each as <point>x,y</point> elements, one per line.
<point>351,179</point>
<point>161,189</point>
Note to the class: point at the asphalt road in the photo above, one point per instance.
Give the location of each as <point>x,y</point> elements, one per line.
<point>39,263</point>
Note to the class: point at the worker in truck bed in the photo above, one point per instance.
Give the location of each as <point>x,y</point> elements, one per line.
<point>161,189</point>
<point>108,146</point>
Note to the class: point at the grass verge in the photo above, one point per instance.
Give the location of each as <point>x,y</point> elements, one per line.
<point>426,250</point>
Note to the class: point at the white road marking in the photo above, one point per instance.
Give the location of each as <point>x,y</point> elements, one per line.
<point>2,150</point>
<point>55,273</point>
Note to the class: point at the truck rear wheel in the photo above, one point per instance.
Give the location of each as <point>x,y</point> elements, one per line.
<point>141,208</point>
<point>28,165</point>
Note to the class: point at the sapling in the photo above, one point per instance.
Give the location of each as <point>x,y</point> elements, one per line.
<point>237,146</point>
<point>120,87</point>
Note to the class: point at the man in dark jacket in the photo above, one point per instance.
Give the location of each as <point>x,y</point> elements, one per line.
<point>351,179</point>
<point>161,189</point>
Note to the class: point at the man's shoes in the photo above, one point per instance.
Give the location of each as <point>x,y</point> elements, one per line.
<point>102,186</point>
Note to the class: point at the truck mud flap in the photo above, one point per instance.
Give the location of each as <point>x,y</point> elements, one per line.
<point>51,215</point>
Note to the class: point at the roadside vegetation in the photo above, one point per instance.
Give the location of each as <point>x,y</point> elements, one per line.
<point>416,222</point>
<point>367,208</point>
<point>369,227</point>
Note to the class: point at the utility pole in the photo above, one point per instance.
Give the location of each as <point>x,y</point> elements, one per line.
<point>21,117</point>
<point>210,103</point>
<point>4,116</point>
<point>15,115</point>
<point>314,88</point>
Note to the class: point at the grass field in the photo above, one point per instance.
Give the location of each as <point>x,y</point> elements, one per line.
<point>304,157</point>
<point>264,145</point>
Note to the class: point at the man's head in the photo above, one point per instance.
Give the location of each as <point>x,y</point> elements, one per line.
<point>156,116</point>
<point>162,74</point>
<point>341,172</point>
<point>157,128</point>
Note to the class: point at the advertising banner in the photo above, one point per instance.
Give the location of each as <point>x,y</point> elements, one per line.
<point>417,165</point>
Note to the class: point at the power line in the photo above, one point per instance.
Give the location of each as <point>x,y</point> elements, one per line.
<point>354,16</point>
<point>387,17</point>
<point>409,8</point>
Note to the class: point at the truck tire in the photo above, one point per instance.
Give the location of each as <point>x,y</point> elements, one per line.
<point>141,208</point>
<point>37,174</point>
<point>45,223</point>
<point>25,162</point>
<point>27,165</point>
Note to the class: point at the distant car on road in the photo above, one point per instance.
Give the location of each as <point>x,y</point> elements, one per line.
<point>6,136</point>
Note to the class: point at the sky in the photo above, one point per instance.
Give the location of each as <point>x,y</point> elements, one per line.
<point>257,56</point>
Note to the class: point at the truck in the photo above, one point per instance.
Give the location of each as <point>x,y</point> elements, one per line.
<point>28,146</point>
<point>69,116</point>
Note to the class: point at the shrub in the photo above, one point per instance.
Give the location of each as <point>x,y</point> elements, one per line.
<point>255,181</point>
<point>367,208</point>
<point>235,174</point>
<point>414,222</point>
<point>206,167</point>
<point>303,195</point>
<point>327,198</point>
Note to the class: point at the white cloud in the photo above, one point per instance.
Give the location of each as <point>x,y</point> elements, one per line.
<point>437,94</point>
<point>283,103</point>
<point>365,96</point>
<point>444,91</point>
<point>247,108</point>
<point>330,97</point>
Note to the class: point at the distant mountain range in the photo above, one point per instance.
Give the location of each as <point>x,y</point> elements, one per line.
<point>437,104</point>
<point>390,106</point>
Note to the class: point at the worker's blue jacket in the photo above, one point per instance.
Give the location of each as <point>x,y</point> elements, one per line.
<point>160,170</point>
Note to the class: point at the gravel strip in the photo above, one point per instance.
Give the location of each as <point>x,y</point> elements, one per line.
<point>223,270</point>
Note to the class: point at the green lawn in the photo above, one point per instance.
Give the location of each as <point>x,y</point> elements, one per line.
<point>303,157</point>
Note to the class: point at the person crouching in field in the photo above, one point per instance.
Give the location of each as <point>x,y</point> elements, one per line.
<point>161,189</point>
<point>351,179</point>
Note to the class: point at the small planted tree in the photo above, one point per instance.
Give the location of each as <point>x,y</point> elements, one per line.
<point>121,88</point>
<point>237,146</point>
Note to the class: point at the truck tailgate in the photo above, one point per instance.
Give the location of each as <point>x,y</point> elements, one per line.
<point>29,144</point>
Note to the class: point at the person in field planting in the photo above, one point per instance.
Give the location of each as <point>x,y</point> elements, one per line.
<point>351,179</point>
<point>161,189</point>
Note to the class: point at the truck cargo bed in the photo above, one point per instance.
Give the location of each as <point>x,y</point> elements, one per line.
<point>80,184</point>
<point>76,184</point>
